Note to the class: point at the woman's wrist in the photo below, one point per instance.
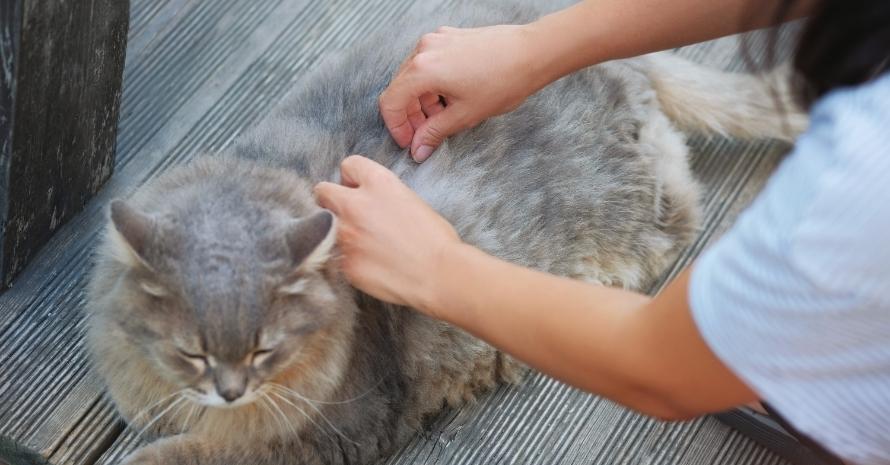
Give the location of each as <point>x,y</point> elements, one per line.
<point>440,295</point>
<point>563,42</point>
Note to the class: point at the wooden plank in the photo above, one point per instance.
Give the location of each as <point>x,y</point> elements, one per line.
<point>61,87</point>
<point>10,39</point>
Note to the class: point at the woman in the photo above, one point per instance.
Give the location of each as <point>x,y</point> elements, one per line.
<point>790,306</point>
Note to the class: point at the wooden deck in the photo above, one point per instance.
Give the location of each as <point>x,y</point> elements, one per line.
<point>197,74</point>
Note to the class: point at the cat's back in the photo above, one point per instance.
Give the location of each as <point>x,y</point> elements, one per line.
<point>563,175</point>
<point>333,111</point>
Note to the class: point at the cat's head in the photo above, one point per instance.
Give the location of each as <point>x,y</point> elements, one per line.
<point>224,292</point>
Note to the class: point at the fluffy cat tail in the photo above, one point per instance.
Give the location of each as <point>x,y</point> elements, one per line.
<point>743,105</point>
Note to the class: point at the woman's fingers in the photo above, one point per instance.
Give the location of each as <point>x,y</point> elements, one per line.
<point>481,72</point>
<point>374,209</point>
<point>358,171</point>
<point>331,196</point>
<point>400,104</point>
<point>434,130</point>
<point>354,173</point>
<point>431,104</point>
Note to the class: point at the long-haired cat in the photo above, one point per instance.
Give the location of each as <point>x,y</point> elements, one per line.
<point>218,317</point>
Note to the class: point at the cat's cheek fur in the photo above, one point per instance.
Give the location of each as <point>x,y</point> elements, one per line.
<point>318,366</point>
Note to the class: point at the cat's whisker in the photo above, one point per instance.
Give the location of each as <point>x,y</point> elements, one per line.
<point>320,413</point>
<point>303,412</point>
<point>159,416</point>
<point>183,405</point>
<point>284,417</point>
<point>298,409</point>
<point>262,403</point>
<point>323,375</point>
<point>326,402</point>
<point>148,409</point>
<point>264,397</point>
<point>188,419</point>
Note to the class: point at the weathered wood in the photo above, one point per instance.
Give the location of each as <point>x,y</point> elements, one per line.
<point>14,454</point>
<point>10,25</point>
<point>61,87</point>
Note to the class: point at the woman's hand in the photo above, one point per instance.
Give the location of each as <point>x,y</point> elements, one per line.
<point>478,73</point>
<point>390,240</point>
<point>644,353</point>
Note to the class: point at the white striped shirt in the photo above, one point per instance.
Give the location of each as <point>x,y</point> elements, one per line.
<point>795,298</point>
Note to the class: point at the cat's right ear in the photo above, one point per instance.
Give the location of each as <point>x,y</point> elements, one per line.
<point>311,240</point>
<point>130,234</point>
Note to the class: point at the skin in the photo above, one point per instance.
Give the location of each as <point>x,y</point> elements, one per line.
<point>487,71</point>
<point>565,328</point>
<point>562,327</point>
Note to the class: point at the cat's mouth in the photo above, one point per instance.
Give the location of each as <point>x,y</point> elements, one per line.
<point>215,400</point>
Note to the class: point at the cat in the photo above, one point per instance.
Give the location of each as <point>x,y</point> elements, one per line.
<point>218,317</point>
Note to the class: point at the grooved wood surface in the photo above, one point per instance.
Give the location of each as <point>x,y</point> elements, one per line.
<point>60,89</point>
<point>197,74</point>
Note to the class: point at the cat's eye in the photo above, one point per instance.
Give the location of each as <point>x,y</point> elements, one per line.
<point>153,290</point>
<point>196,359</point>
<point>260,356</point>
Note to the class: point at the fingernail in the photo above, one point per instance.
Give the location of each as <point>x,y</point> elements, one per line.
<point>422,153</point>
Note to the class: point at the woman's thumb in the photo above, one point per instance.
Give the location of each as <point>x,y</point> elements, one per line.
<point>434,130</point>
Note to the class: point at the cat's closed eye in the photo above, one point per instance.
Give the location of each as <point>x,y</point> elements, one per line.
<point>260,355</point>
<point>199,361</point>
<point>153,289</point>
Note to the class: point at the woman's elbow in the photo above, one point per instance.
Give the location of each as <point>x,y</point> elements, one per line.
<point>670,413</point>
<point>664,411</point>
<point>663,405</point>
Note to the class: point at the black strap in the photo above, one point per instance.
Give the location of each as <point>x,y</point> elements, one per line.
<point>821,452</point>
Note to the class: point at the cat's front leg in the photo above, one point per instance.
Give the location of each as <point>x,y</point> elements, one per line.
<point>175,450</point>
<point>188,449</point>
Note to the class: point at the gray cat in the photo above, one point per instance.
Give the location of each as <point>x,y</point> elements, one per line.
<point>218,317</point>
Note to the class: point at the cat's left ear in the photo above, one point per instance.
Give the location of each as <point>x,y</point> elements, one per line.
<point>132,231</point>
<point>311,239</point>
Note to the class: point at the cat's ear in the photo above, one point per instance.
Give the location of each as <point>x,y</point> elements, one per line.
<point>311,239</point>
<point>131,233</point>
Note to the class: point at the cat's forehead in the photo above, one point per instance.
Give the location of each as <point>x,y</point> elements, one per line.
<point>209,234</point>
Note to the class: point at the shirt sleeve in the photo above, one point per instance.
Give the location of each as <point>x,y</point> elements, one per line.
<point>795,298</point>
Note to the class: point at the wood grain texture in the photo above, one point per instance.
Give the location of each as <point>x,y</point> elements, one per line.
<point>67,66</point>
<point>10,32</point>
<point>179,101</point>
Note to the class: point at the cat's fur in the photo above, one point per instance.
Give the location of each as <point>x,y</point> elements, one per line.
<point>229,254</point>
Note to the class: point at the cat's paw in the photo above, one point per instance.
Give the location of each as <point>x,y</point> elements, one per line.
<point>177,450</point>
<point>147,455</point>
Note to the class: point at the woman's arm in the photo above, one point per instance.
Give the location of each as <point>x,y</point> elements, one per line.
<point>594,31</point>
<point>643,352</point>
<point>487,71</point>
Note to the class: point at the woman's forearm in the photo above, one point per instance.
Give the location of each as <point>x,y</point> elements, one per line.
<point>644,353</point>
<point>641,352</point>
<point>594,31</point>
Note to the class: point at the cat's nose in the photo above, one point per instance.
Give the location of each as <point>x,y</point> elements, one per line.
<point>231,393</point>
<point>231,383</point>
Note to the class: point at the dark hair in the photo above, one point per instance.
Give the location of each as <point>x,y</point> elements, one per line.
<point>843,43</point>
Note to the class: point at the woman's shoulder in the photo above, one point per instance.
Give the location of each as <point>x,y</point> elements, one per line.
<point>857,111</point>
<point>840,239</point>
<point>794,297</point>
